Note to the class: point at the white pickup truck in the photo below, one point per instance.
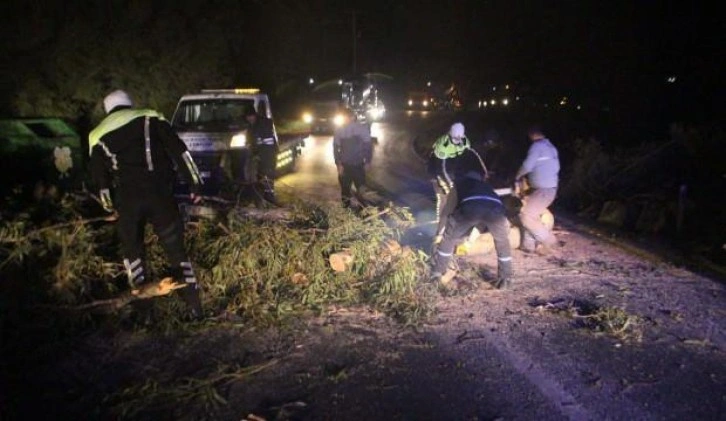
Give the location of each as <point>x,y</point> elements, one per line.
<point>212,124</point>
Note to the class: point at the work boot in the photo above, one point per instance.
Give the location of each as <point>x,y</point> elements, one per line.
<point>502,282</point>
<point>504,275</point>
<point>190,296</point>
<point>435,277</point>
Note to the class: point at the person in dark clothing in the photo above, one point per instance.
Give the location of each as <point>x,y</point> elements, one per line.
<point>137,154</point>
<point>264,148</point>
<point>478,206</point>
<point>451,155</point>
<point>352,151</point>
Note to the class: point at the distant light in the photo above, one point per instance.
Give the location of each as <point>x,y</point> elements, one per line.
<point>493,102</point>
<point>505,101</point>
<point>410,102</point>
<point>425,103</point>
<point>311,81</point>
<point>485,103</point>
<point>671,79</point>
<point>428,83</point>
<point>494,88</point>
<point>339,120</point>
<point>340,81</point>
<point>506,87</point>
<point>579,107</point>
<point>516,98</point>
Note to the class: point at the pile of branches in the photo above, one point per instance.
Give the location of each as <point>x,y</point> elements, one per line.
<point>259,270</point>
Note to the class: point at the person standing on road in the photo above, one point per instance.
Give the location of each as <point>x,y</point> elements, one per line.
<point>352,151</point>
<point>135,152</point>
<point>478,206</point>
<point>452,154</point>
<point>264,149</point>
<point>541,169</point>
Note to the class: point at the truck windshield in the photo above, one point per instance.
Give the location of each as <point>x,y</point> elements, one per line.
<point>213,114</point>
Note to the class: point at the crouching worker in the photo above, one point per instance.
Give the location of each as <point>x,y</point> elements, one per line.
<point>478,206</point>
<point>135,152</point>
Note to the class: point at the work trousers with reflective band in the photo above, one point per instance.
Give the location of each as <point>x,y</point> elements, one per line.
<point>533,206</point>
<point>142,202</point>
<point>266,170</point>
<point>445,202</point>
<point>481,214</point>
<point>352,175</point>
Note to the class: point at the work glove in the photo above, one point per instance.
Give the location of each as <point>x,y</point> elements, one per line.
<point>518,188</point>
<point>194,194</point>
<point>106,201</point>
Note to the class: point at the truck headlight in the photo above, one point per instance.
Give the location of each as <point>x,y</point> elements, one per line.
<point>238,141</point>
<point>376,112</point>
<point>339,120</point>
<point>307,118</point>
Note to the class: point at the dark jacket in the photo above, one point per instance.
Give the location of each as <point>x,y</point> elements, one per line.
<point>473,189</point>
<point>120,153</point>
<point>262,133</point>
<point>352,144</point>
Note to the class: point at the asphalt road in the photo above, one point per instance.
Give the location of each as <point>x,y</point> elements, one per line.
<point>529,352</point>
<point>397,172</point>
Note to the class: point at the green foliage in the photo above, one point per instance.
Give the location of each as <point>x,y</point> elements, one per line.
<point>262,272</point>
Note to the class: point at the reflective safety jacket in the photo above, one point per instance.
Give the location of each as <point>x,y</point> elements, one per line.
<point>448,159</point>
<point>138,146</point>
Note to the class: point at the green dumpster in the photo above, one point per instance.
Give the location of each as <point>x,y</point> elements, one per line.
<point>38,151</point>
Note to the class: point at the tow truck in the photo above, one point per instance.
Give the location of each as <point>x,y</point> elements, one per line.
<point>212,125</point>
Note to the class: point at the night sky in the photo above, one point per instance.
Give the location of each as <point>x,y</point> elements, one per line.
<point>604,49</point>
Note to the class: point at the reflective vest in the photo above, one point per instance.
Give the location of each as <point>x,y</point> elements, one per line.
<point>116,120</point>
<point>444,148</point>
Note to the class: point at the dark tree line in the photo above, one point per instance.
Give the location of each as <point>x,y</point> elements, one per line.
<point>62,57</point>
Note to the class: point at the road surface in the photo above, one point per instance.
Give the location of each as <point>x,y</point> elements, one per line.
<point>535,351</point>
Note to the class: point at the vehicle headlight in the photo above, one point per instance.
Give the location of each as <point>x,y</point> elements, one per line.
<point>307,118</point>
<point>238,141</point>
<point>377,112</point>
<point>339,119</point>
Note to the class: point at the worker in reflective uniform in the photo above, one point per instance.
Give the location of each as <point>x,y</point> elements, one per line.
<point>264,147</point>
<point>136,154</point>
<point>451,155</point>
<point>478,206</point>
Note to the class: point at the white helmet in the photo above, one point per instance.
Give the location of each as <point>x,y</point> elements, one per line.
<point>456,131</point>
<point>116,99</point>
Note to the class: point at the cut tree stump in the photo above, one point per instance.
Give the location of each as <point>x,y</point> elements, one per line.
<point>484,243</point>
<point>341,261</point>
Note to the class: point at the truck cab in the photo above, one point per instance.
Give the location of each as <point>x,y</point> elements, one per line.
<point>212,124</point>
